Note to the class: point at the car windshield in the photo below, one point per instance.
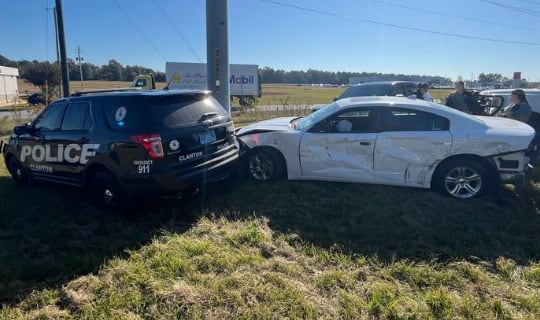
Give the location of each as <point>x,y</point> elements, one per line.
<point>305,123</point>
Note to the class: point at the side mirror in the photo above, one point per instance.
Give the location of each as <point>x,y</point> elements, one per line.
<point>20,130</point>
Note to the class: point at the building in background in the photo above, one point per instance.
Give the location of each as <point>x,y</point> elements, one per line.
<point>8,84</point>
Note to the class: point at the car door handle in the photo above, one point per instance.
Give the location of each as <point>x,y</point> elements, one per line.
<point>365,143</point>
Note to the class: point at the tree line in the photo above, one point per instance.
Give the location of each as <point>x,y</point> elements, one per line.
<point>37,72</point>
<point>44,74</point>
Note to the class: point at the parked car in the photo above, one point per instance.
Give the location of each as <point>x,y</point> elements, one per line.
<point>36,98</point>
<point>380,88</point>
<point>377,88</point>
<point>126,144</point>
<point>390,140</point>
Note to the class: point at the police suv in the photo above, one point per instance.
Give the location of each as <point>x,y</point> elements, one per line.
<point>121,144</point>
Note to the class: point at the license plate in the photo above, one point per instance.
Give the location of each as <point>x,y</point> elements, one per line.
<point>207,137</point>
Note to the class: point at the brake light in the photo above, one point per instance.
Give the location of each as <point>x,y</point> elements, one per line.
<point>151,143</point>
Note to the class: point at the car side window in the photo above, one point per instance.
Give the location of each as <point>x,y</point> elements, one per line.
<point>49,120</point>
<point>77,117</point>
<point>398,119</point>
<point>353,121</point>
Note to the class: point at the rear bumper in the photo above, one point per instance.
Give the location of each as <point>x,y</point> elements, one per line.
<point>170,183</point>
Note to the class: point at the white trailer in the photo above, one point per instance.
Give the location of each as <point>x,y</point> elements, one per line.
<point>243,79</point>
<point>8,84</point>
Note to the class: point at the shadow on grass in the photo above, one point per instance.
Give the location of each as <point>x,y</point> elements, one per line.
<point>49,235</point>
<point>392,222</point>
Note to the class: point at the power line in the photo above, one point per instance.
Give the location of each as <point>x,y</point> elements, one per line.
<point>451,15</point>
<point>140,31</point>
<point>401,26</point>
<point>170,21</point>
<point>530,1</point>
<point>513,8</point>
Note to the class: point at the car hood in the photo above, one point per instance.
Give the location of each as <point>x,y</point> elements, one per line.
<point>505,125</point>
<point>277,124</point>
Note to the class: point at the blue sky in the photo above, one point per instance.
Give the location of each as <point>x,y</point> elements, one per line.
<point>446,38</point>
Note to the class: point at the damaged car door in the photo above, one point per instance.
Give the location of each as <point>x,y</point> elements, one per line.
<point>340,147</point>
<point>410,144</point>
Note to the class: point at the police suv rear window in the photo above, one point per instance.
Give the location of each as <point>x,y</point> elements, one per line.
<point>175,111</point>
<point>157,112</point>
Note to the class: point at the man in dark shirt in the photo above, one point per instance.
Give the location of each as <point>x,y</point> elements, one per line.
<point>461,99</point>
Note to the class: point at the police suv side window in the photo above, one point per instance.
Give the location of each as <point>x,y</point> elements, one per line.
<point>77,117</point>
<point>49,120</point>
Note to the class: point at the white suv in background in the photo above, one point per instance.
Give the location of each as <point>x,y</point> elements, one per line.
<point>496,99</point>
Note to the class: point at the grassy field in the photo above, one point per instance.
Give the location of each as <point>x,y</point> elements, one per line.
<point>302,250</point>
<point>272,94</point>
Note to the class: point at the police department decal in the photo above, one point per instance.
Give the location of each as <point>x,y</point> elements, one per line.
<point>120,114</point>
<point>143,166</point>
<point>190,156</point>
<point>174,145</point>
<point>71,153</point>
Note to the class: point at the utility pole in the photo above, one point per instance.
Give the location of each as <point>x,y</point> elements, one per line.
<point>62,44</point>
<point>217,50</point>
<point>79,59</point>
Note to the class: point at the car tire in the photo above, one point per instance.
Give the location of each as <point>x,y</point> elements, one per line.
<point>264,165</point>
<point>106,192</point>
<point>462,179</point>
<point>18,173</point>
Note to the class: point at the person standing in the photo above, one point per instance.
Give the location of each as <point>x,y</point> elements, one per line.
<point>519,109</point>
<point>461,99</point>
<point>422,92</point>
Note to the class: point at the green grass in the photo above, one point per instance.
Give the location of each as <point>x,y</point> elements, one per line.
<point>288,249</point>
<point>242,250</point>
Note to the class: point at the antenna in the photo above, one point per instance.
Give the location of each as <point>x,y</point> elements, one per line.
<point>80,60</point>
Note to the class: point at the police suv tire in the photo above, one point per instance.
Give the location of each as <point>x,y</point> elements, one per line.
<point>264,165</point>
<point>462,178</point>
<point>18,173</point>
<point>106,192</point>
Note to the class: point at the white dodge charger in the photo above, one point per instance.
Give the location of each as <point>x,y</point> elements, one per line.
<point>390,140</point>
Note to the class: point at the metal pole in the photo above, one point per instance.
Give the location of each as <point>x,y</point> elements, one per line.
<point>80,66</point>
<point>62,44</point>
<point>217,50</point>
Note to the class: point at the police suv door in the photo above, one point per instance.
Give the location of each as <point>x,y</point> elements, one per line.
<point>72,143</point>
<point>35,149</point>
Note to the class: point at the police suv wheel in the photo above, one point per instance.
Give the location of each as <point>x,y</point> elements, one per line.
<point>106,192</point>
<point>19,175</point>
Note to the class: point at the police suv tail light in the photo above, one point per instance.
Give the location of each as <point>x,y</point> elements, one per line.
<point>151,143</point>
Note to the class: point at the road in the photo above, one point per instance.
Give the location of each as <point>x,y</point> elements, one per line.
<point>281,107</point>
<point>19,115</point>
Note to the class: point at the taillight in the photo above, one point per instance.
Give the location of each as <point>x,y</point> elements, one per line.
<point>152,144</point>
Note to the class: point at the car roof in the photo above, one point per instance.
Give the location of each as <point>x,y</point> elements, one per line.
<point>380,100</point>
<point>534,91</point>
<point>375,83</point>
<point>136,92</point>
<point>419,104</point>
<point>103,94</point>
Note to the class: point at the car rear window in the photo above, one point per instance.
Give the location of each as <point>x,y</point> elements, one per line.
<point>367,90</point>
<point>159,112</point>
